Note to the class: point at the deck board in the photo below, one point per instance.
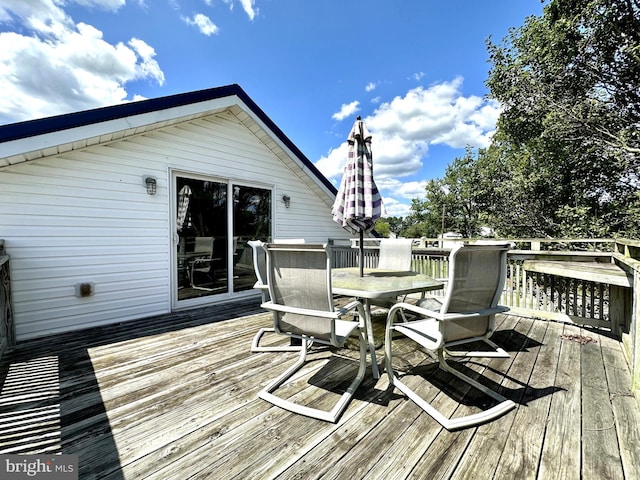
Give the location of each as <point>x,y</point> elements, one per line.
<point>485,450</point>
<point>175,396</point>
<point>561,448</point>
<point>521,452</point>
<point>599,440</point>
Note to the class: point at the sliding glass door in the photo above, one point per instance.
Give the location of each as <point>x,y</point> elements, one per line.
<point>214,220</point>
<point>251,221</point>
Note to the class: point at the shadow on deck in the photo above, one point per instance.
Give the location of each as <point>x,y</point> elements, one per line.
<point>175,396</point>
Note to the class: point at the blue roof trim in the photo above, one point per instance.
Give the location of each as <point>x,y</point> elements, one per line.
<point>43,126</point>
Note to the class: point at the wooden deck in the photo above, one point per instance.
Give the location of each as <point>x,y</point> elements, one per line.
<point>174,397</point>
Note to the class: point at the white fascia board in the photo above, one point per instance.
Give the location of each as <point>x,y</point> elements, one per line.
<point>75,134</point>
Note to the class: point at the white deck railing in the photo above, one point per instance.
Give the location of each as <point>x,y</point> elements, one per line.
<point>538,294</point>
<point>594,301</point>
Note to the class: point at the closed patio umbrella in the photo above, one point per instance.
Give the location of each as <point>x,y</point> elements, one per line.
<point>358,203</point>
<point>183,205</point>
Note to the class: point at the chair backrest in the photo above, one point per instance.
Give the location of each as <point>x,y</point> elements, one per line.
<point>476,278</point>
<point>299,278</point>
<point>395,254</point>
<point>204,246</point>
<point>260,257</point>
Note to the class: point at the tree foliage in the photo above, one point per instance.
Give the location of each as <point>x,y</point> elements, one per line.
<point>451,204</point>
<point>565,157</point>
<point>569,135</point>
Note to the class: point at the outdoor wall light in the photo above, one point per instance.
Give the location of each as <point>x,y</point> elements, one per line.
<point>150,185</point>
<point>287,200</point>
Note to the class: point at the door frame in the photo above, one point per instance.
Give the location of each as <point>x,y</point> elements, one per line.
<point>174,238</point>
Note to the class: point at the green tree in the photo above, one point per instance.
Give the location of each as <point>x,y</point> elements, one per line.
<point>418,223</point>
<point>382,227</point>
<point>569,135</point>
<point>516,193</point>
<point>450,203</point>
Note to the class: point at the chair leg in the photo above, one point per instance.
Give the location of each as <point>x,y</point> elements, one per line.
<point>255,345</point>
<point>328,416</point>
<point>504,406</point>
<point>449,423</point>
<point>498,352</point>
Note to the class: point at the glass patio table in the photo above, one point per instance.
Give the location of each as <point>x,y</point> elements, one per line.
<point>378,284</point>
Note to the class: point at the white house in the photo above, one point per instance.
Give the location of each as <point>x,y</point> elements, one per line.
<point>91,243</point>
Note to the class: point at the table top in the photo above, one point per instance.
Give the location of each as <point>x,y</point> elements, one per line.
<point>377,283</point>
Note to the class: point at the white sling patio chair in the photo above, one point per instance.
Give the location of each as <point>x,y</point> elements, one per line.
<point>299,279</point>
<point>203,264</point>
<point>465,314</point>
<point>395,254</point>
<point>260,268</point>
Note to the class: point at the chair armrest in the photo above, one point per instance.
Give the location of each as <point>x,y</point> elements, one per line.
<point>478,313</point>
<point>342,311</point>
<point>447,316</point>
<point>299,311</point>
<point>199,260</point>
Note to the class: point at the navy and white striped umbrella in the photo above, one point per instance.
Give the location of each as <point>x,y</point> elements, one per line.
<point>183,206</point>
<point>358,203</point>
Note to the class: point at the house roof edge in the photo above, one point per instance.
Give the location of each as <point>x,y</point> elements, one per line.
<point>57,123</point>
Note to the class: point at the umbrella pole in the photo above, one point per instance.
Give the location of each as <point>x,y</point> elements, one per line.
<point>361,253</point>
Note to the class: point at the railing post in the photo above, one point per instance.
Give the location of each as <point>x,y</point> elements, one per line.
<point>627,252</point>
<point>635,316</point>
<point>7,327</point>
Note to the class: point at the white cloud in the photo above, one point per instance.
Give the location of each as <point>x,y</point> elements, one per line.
<point>346,110</point>
<point>332,165</point>
<point>405,127</point>
<point>418,76</point>
<point>81,69</point>
<point>394,208</point>
<point>204,24</point>
<point>371,86</point>
<point>247,6</point>
<point>112,5</point>
<point>404,190</point>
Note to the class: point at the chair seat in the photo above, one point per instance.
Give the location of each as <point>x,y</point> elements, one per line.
<point>425,332</point>
<point>344,329</point>
<point>431,303</point>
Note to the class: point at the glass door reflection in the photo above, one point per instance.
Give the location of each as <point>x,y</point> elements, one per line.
<point>202,238</point>
<point>251,221</point>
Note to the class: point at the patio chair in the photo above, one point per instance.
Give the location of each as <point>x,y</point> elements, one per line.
<point>299,279</point>
<point>395,254</point>
<point>260,268</point>
<point>203,264</point>
<point>464,315</point>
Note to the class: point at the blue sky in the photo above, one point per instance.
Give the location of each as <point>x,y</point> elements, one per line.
<point>413,69</point>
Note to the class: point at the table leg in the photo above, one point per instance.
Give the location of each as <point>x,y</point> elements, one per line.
<point>370,339</point>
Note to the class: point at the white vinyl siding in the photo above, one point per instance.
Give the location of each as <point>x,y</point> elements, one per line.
<point>85,216</point>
